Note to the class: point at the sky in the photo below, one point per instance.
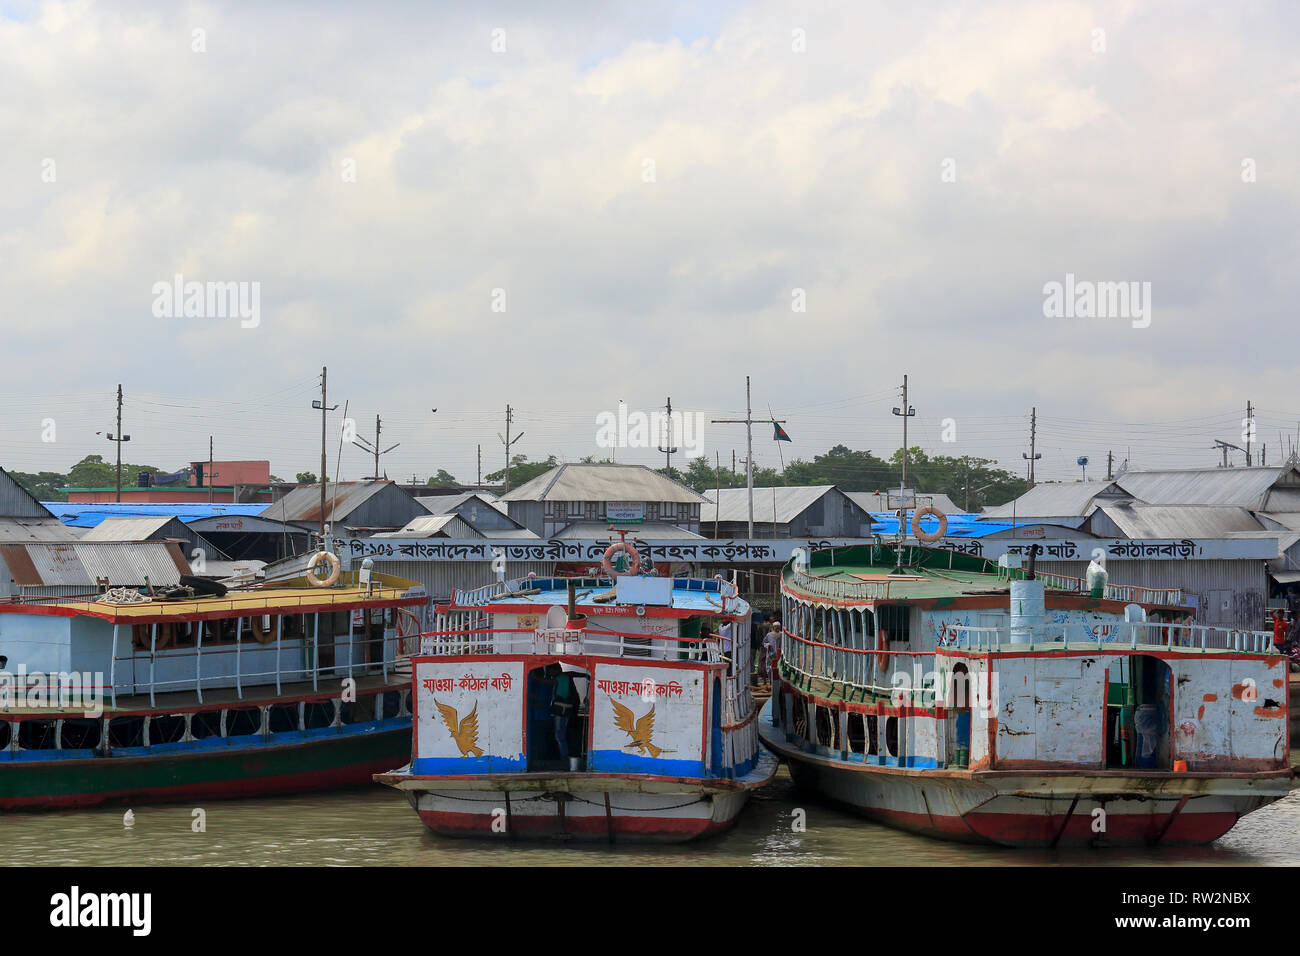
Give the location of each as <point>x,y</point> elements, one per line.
<point>564,206</point>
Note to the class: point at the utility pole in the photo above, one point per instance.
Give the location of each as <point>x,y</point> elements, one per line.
<point>906,412</point>
<point>668,440</point>
<point>1250,422</point>
<point>1109,458</point>
<point>1033,436</point>
<point>118,438</point>
<point>324,412</point>
<point>966,461</point>
<point>369,449</point>
<point>508,441</point>
<point>478,473</point>
<point>748,422</point>
<point>211,489</point>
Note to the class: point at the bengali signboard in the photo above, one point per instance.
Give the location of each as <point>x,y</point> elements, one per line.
<point>647,719</point>
<point>469,717</point>
<point>778,550</point>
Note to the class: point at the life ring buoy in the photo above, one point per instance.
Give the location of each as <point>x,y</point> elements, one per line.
<point>640,610</point>
<point>927,536</point>
<point>335,567</point>
<point>264,634</point>
<point>882,645</point>
<point>633,557</point>
<point>165,634</point>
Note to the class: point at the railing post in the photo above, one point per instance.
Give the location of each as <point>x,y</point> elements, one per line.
<point>153,654</point>
<point>279,636</point>
<point>198,663</point>
<point>315,650</point>
<point>112,670</point>
<point>239,664</point>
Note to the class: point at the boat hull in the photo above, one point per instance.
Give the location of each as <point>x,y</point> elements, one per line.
<point>329,761</point>
<point>1037,809</point>
<point>580,807</point>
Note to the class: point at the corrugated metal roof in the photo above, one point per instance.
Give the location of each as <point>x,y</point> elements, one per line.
<point>35,529</point>
<point>1178,521</point>
<point>1287,519</point>
<point>128,529</point>
<point>341,499</point>
<point>790,502</point>
<point>602,482</point>
<point>649,531</point>
<point>79,515</point>
<point>16,501</point>
<point>1052,500</point>
<point>1242,487</point>
<point>445,504</point>
<point>81,564</point>
<point>877,502</point>
<point>434,526</point>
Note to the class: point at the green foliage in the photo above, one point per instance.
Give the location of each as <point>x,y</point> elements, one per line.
<point>522,470</point>
<point>443,477</point>
<point>44,485</point>
<point>306,478</point>
<point>851,470</point>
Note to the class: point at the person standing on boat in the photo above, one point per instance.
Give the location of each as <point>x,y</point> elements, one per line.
<point>771,651</point>
<point>564,704</point>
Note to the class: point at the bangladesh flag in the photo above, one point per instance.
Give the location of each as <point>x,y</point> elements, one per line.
<point>780,434</point>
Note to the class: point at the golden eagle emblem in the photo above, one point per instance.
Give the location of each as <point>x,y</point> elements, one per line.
<point>463,732</point>
<point>639,730</point>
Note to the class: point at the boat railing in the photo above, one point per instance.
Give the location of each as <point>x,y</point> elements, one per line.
<point>297,658</point>
<point>904,676</point>
<point>1176,637</point>
<point>847,590</point>
<point>1129,593</point>
<point>568,641</point>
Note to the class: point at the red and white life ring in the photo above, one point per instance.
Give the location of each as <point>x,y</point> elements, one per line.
<point>332,577</point>
<point>926,536</point>
<point>633,558</point>
<point>882,645</point>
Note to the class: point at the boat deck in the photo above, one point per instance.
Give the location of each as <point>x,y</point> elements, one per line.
<point>216,697</point>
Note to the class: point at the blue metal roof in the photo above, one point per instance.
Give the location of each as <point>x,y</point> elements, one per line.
<point>89,515</point>
<point>959,525</point>
<point>692,594</point>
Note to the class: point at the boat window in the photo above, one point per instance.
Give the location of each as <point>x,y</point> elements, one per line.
<point>823,717</point>
<point>6,734</point>
<point>204,724</point>
<point>873,735</point>
<point>895,618</point>
<point>282,718</point>
<point>891,736</point>
<point>318,714</point>
<point>126,732</point>
<point>406,703</point>
<point>857,733</point>
<point>392,704</point>
<point>80,733</point>
<point>243,722</point>
<point>140,636</point>
<point>36,734</point>
<point>168,729</point>
<point>358,712</point>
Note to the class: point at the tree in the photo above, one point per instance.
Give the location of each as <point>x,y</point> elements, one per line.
<point>522,470</point>
<point>44,485</point>
<point>306,478</point>
<point>443,477</point>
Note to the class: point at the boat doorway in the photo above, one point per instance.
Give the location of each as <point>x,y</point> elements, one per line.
<point>1138,692</point>
<point>558,698</point>
<point>959,716</point>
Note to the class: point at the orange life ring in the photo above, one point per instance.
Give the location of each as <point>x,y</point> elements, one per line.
<point>926,536</point>
<point>264,635</point>
<point>633,557</point>
<point>882,644</point>
<point>335,567</point>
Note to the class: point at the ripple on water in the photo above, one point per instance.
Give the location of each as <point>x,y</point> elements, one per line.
<point>377,827</point>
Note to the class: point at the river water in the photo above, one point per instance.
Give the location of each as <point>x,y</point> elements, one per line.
<point>377,827</point>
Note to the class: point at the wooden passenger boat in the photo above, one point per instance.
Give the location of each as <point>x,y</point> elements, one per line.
<point>269,690</point>
<point>941,694</point>
<point>663,745</point>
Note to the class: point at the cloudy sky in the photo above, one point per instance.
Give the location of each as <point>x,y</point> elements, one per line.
<point>563,205</point>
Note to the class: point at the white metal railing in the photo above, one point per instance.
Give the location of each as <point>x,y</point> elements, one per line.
<point>1129,593</point>
<point>496,641</point>
<point>1189,638</point>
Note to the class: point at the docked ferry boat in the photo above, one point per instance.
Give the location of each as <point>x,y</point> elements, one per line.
<point>942,694</point>
<point>661,743</point>
<point>127,696</point>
